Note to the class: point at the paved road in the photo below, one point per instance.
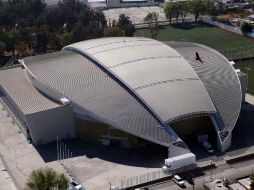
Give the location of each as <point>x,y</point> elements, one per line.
<point>232,172</point>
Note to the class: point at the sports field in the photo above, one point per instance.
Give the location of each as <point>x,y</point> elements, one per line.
<point>248,68</point>
<point>204,34</point>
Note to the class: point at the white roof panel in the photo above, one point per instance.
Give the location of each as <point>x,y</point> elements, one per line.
<point>155,72</point>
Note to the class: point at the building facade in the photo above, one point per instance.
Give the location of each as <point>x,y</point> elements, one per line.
<point>128,91</point>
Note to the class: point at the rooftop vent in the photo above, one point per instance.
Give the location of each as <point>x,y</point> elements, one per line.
<point>65,101</point>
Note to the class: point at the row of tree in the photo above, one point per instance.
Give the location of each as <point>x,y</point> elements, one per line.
<point>30,28</point>
<point>180,9</point>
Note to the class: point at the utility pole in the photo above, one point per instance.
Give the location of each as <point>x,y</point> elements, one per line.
<point>57,148</point>
<point>60,151</point>
<point>63,153</point>
<point>211,177</point>
<point>65,150</point>
<point>110,185</point>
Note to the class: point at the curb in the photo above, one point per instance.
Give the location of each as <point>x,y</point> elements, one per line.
<point>9,172</point>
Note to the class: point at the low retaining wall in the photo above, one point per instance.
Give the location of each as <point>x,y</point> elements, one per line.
<point>241,158</point>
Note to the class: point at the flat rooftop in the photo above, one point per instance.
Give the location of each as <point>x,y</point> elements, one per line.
<point>16,84</point>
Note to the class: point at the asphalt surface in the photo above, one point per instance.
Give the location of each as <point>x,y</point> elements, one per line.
<point>230,171</point>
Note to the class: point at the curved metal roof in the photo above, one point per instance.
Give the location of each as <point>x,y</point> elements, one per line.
<point>92,91</point>
<point>219,78</point>
<point>156,74</point>
<point>139,84</point>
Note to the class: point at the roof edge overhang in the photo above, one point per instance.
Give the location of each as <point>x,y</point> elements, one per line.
<point>191,115</point>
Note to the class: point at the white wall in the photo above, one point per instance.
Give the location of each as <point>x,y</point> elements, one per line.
<point>46,126</point>
<point>223,146</point>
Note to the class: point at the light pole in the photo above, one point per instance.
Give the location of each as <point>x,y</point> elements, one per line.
<point>57,148</point>
<point>211,176</point>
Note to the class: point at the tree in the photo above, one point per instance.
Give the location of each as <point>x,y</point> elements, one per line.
<point>125,24</point>
<point>252,182</point>
<point>54,41</point>
<point>28,23</point>
<point>19,8</point>
<point>175,10</point>
<point>2,47</point>
<point>113,31</point>
<point>21,48</point>
<point>152,19</point>
<point>27,37</point>
<point>246,28</point>
<point>36,7</point>
<point>42,39</point>
<point>11,39</point>
<point>1,7</point>
<point>6,19</point>
<point>171,11</point>
<point>80,33</point>
<point>46,179</point>
<point>65,38</point>
<point>197,7</point>
<point>183,9</point>
<point>211,9</point>
<point>62,182</point>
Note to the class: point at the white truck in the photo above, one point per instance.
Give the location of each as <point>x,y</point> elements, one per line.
<point>179,161</point>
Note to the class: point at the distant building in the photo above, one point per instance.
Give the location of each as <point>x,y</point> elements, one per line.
<point>251,17</point>
<point>124,91</point>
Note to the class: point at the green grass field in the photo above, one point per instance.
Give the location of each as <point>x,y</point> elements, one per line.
<point>204,34</point>
<point>248,68</point>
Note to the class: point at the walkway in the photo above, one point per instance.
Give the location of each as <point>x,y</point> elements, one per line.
<point>21,158</point>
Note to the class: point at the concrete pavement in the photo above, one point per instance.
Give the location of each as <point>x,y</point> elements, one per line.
<point>6,181</point>
<point>22,158</point>
<point>94,166</point>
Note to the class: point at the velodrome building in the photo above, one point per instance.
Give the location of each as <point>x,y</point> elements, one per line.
<point>126,91</point>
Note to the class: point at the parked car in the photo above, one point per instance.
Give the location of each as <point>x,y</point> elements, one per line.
<point>178,180</point>
<point>208,147</point>
<point>74,185</point>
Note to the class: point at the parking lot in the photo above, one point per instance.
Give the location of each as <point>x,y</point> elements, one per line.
<point>136,14</point>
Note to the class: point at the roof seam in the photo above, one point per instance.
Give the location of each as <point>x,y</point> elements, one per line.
<point>115,43</point>
<point>146,58</point>
<point>166,81</point>
<point>111,49</point>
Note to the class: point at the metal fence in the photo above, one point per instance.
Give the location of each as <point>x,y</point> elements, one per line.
<point>234,29</point>
<point>152,176</point>
<point>238,53</point>
<point>130,182</point>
